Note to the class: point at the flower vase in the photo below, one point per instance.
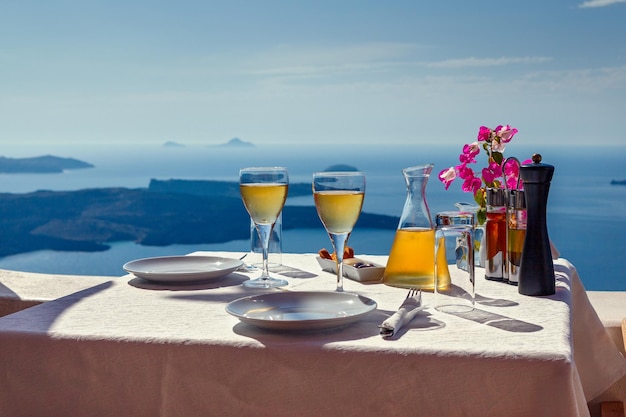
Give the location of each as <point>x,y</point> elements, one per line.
<point>479,245</point>
<point>480,254</point>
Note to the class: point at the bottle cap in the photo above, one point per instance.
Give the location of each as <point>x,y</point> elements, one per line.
<point>517,199</point>
<point>536,172</point>
<point>495,197</point>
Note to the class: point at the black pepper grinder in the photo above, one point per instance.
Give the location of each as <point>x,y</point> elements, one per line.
<point>536,275</point>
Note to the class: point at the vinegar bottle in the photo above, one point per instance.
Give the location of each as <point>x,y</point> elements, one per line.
<point>516,233</point>
<point>411,262</point>
<point>495,235</point>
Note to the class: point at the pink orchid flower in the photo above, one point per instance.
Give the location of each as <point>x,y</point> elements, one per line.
<point>484,134</point>
<point>471,184</point>
<point>511,171</point>
<point>492,172</point>
<point>447,176</point>
<point>469,153</point>
<point>493,141</point>
<point>465,172</point>
<point>497,146</point>
<point>505,133</point>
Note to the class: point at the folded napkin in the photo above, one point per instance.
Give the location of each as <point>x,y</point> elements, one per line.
<point>407,311</point>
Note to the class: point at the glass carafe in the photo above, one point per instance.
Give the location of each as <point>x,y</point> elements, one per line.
<point>411,262</point>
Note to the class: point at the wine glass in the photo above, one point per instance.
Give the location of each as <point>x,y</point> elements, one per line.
<point>264,191</point>
<point>338,199</point>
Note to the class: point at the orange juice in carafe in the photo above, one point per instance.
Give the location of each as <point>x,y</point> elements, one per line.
<point>411,262</point>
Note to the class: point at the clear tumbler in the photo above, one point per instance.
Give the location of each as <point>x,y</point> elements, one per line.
<point>454,237</point>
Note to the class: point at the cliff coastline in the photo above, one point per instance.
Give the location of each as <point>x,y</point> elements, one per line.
<point>167,212</point>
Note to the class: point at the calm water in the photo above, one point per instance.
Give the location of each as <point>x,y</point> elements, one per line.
<point>586,215</point>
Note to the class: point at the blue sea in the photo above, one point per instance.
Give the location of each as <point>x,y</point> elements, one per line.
<point>586,214</point>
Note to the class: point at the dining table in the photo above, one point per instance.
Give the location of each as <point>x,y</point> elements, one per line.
<point>129,346</point>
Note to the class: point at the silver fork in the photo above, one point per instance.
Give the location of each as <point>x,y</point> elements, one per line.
<point>413,292</point>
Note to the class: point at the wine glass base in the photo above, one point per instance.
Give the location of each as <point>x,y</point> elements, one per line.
<point>249,268</point>
<point>265,283</point>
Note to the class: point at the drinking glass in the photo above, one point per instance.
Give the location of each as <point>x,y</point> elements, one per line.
<point>454,262</point>
<point>264,191</point>
<point>338,199</point>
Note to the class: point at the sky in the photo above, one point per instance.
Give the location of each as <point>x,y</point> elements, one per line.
<point>311,72</point>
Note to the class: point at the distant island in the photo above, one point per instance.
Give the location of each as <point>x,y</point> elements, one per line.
<point>233,143</point>
<point>172,144</point>
<point>166,212</point>
<point>618,182</point>
<point>237,143</point>
<point>47,164</point>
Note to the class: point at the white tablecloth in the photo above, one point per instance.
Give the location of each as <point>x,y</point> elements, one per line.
<point>131,348</point>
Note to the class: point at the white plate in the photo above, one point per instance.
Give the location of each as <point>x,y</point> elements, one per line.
<point>182,268</point>
<point>301,310</point>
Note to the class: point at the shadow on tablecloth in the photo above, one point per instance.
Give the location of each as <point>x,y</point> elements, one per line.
<point>499,321</point>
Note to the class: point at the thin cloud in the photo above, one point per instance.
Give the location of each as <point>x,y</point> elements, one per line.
<point>368,52</point>
<point>314,71</point>
<point>488,62</point>
<point>599,3</point>
<point>316,61</point>
<point>589,81</point>
<point>374,58</point>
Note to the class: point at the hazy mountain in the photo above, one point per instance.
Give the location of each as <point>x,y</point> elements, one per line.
<point>40,164</point>
<point>168,212</point>
<point>172,144</point>
<point>237,143</point>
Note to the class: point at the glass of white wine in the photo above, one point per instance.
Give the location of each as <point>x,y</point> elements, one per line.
<point>264,191</point>
<point>338,199</point>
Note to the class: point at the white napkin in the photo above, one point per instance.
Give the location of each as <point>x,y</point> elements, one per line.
<point>407,311</point>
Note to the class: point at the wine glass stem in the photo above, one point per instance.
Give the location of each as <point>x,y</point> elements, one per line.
<point>265,231</point>
<point>339,242</point>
